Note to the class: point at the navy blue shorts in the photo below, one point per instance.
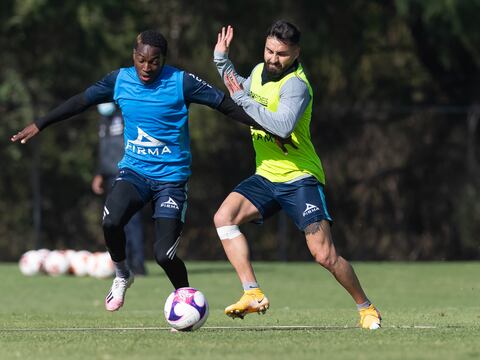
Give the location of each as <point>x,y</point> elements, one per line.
<point>169,198</point>
<point>302,200</point>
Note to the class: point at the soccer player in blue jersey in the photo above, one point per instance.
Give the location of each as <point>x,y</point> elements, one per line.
<point>154,100</point>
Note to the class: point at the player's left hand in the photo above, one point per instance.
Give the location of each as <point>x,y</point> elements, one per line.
<point>26,134</point>
<point>231,83</point>
<point>282,142</point>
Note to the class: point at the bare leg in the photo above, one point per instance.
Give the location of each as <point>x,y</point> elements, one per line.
<point>236,210</point>
<point>320,244</point>
<point>238,254</point>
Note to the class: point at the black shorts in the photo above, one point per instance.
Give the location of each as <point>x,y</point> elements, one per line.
<point>169,198</point>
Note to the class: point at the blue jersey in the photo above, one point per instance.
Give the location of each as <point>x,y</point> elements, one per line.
<point>157,141</point>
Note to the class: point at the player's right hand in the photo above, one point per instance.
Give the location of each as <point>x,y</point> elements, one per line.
<point>26,134</point>
<point>282,142</point>
<point>224,39</point>
<point>97,184</point>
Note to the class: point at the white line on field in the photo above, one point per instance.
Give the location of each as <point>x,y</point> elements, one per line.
<point>245,328</point>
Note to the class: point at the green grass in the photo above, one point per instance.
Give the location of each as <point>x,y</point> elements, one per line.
<point>443,296</point>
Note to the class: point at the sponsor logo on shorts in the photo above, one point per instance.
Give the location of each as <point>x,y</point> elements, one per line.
<point>170,203</point>
<point>310,209</point>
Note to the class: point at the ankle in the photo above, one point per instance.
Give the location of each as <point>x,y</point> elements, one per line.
<point>364,305</point>
<point>249,285</point>
<point>254,291</point>
<point>121,269</point>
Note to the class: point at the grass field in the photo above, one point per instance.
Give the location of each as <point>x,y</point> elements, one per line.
<point>430,310</point>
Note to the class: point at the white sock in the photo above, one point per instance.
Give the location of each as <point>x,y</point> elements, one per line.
<point>250,285</point>
<point>364,305</point>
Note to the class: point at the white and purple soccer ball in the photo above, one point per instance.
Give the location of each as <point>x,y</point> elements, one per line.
<point>186,309</point>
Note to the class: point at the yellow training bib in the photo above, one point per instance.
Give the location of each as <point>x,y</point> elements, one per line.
<point>271,162</point>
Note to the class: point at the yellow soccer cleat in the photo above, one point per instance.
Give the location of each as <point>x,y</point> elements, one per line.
<point>370,318</point>
<point>252,301</point>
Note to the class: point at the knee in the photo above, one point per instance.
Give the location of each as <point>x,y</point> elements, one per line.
<point>327,259</point>
<point>225,224</point>
<point>111,224</point>
<point>222,217</point>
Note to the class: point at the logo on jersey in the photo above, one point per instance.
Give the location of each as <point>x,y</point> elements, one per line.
<point>310,209</point>
<point>261,135</point>
<point>146,144</point>
<point>170,203</point>
<point>258,98</point>
<point>200,80</point>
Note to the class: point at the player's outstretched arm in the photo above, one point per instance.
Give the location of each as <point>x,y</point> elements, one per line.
<point>235,112</point>
<point>73,106</point>
<point>100,92</point>
<point>196,90</point>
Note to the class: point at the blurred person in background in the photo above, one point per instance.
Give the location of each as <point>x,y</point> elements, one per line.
<point>110,152</point>
<point>279,97</point>
<point>154,99</point>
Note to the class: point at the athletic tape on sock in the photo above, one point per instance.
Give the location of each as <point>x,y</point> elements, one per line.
<point>228,232</point>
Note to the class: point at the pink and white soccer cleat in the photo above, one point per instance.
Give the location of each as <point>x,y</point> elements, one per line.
<point>116,295</point>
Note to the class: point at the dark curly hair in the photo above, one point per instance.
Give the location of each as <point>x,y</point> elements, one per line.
<point>285,32</point>
<point>152,38</point>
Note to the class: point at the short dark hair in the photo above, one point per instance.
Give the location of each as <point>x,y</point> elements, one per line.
<point>152,38</point>
<point>285,32</point>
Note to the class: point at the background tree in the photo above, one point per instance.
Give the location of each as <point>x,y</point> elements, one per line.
<point>395,120</point>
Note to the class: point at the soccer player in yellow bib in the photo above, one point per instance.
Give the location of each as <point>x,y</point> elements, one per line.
<point>278,96</point>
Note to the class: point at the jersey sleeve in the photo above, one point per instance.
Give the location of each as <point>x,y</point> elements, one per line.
<point>102,90</point>
<point>225,66</point>
<point>198,91</point>
<point>294,99</point>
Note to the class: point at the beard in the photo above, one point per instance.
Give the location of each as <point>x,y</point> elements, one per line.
<point>273,69</point>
